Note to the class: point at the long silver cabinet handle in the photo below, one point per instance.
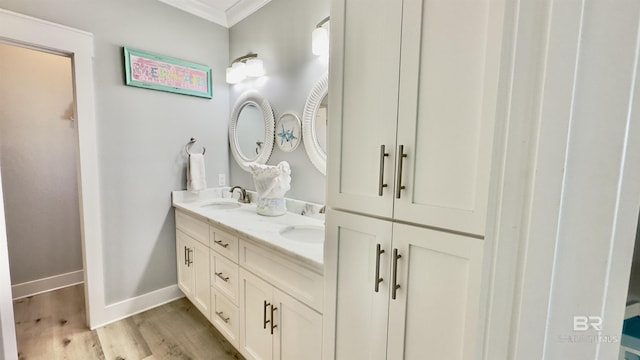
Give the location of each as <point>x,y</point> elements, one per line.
<point>378,279</point>
<point>186,256</point>
<point>394,283</point>
<point>399,186</point>
<point>273,325</point>
<point>221,276</point>
<point>221,316</point>
<point>219,242</point>
<point>264,314</point>
<point>381,184</point>
<point>190,258</point>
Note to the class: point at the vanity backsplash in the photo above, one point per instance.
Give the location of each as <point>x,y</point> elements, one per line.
<point>293,206</point>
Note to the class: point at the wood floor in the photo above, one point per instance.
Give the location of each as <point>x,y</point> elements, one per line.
<point>52,326</point>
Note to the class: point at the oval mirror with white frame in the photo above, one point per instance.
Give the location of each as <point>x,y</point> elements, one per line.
<point>288,132</point>
<point>314,124</point>
<point>251,129</point>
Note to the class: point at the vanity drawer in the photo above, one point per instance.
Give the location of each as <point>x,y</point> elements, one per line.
<point>225,317</point>
<point>196,228</point>
<point>224,276</point>
<point>294,279</point>
<point>224,243</point>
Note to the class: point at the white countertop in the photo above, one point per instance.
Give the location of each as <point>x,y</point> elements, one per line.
<point>264,230</point>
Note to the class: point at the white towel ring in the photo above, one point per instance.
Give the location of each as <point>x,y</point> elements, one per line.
<point>190,143</point>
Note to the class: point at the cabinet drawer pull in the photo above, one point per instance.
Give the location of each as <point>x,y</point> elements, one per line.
<point>221,316</point>
<point>381,184</point>
<point>378,279</point>
<point>399,186</point>
<point>224,278</point>
<point>273,325</point>
<point>219,242</point>
<point>186,256</point>
<point>395,286</point>
<point>190,258</point>
<point>264,316</point>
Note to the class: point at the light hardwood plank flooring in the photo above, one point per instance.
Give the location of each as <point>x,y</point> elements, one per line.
<point>52,326</point>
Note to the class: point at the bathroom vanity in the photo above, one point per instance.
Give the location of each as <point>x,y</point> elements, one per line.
<point>258,279</point>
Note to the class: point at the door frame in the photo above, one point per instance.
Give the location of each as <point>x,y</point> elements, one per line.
<point>26,31</point>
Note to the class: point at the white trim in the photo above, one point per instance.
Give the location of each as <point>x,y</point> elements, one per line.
<point>124,309</point>
<point>51,283</point>
<point>8,344</point>
<point>226,18</point>
<point>243,9</point>
<point>21,29</point>
<point>200,9</point>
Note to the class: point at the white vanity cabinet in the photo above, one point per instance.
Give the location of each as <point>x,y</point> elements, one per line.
<point>192,250</point>
<point>413,101</point>
<point>275,325</point>
<point>403,292</point>
<point>266,303</point>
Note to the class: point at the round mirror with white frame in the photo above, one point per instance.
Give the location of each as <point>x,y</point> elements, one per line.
<point>314,124</point>
<point>251,129</point>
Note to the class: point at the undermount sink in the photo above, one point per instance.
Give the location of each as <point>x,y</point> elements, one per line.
<point>312,234</point>
<point>222,205</point>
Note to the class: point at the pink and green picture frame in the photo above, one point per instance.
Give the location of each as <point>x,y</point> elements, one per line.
<point>157,72</point>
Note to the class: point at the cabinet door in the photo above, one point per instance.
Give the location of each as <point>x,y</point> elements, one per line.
<point>299,332</point>
<point>448,94</point>
<point>435,312</point>
<point>256,297</point>
<point>363,102</point>
<point>201,282</point>
<point>360,312</point>
<point>185,273</point>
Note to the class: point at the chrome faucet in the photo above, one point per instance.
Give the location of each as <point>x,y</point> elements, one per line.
<point>323,209</point>
<point>244,198</point>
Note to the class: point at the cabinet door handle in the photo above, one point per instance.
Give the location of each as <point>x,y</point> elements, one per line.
<point>401,156</point>
<point>264,316</point>
<point>219,242</point>
<point>273,325</point>
<point>381,184</point>
<point>186,256</point>
<point>221,316</point>
<point>378,279</point>
<point>395,286</point>
<point>224,278</point>
<point>190,258</point>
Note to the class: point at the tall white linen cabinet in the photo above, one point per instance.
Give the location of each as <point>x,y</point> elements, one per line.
<point>412,100</point>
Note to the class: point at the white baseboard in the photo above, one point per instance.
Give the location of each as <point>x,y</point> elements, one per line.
<point>138,304</point>
<point>40,286</point>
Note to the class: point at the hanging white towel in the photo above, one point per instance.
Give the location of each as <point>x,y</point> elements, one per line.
<point>196,180</point>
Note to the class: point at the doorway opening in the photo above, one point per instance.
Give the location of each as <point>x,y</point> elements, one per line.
<point>38,152</point>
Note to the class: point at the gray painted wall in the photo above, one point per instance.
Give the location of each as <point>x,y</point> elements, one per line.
<point>38,146</point>
<point>634,281</point>
<point>142,133</point>
<point>280,33</point>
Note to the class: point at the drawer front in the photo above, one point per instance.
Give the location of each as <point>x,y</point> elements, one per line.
<point>224,243</point>
<point>295,280</point>
<point>196,228</point>
<point>225,317</point>
<point>224,276</point>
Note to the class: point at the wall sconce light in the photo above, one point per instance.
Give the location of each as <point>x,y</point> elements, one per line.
<point>248,65</point>
<point>320,39</point>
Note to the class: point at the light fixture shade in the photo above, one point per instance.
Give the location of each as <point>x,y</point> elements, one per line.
<point>320,41</point>
<point>255,67</point>
<point>236,73</point>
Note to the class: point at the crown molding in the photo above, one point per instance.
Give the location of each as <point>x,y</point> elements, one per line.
<point>226,18</point>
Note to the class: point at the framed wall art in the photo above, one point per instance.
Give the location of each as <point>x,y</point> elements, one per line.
<point>164,73</point>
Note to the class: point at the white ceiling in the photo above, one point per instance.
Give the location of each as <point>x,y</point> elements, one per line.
<point>223,12</point>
